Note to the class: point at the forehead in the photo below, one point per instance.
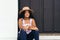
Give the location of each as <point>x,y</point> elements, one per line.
<point>26,10</point>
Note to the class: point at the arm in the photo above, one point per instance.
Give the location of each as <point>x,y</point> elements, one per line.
<point>33,27</point>
<point>20,24</point>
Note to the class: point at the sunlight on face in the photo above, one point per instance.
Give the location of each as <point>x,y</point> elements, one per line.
<point>27,14</point>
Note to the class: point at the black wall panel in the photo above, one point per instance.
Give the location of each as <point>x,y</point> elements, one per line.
<point>57,16</point>
<point>23,3</point>
<point>48,16</point>
<point>37,6</point>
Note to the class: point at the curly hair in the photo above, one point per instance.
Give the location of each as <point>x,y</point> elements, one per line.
<point>21,15</point>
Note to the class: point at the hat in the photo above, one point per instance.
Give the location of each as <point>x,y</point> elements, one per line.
<point>25,8</point>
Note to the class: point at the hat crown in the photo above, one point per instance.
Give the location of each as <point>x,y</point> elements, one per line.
<point>26,8</point>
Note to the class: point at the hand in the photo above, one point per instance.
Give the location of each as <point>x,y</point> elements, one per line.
<point>25,28</point>
<point>33,28</point>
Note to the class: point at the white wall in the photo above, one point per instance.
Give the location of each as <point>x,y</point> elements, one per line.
<point>8,19</point>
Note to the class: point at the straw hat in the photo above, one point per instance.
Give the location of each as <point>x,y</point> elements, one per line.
<point>25,8</point>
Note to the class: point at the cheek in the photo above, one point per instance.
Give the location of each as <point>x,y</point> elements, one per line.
<point>27,15</point>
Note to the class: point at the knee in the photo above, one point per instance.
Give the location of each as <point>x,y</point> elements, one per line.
<point>35,31</point>
<point>22,32</point>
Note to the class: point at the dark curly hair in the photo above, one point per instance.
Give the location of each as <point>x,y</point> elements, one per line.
<point>21,15</point>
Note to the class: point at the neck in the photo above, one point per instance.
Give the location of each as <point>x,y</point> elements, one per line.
<point>26,18</point>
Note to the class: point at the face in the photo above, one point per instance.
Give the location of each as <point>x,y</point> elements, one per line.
<point>27,14</point>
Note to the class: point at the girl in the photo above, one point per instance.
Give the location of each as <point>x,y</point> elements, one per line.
<point>27,25</point>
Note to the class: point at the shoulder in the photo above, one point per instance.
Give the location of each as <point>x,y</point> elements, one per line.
<point>32,19</point>
<point>20,19</point>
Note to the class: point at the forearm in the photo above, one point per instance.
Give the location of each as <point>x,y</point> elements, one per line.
<point>20,27</point>
<point>33,28</point>
<point>24,28</point>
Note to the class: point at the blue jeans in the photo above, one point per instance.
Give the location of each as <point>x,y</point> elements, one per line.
<point>23,36</point>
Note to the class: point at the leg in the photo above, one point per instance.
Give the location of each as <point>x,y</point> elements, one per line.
<point>30,36</point>
<point>18,36</point>
<point>36,34</point>
<point>23,35</point>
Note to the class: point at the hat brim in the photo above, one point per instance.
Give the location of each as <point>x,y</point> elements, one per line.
<point>25,10</point>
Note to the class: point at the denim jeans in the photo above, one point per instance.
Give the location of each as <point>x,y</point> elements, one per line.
<point>23,36</point>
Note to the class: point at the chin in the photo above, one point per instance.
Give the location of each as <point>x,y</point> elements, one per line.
<point>27,17</point>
